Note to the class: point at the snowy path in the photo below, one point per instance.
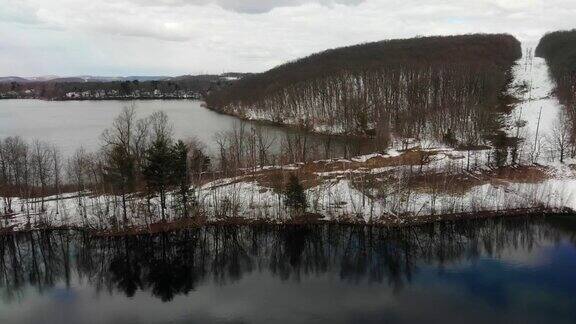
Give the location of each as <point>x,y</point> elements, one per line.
<point>533,86</point>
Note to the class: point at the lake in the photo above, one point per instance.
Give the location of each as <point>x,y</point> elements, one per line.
<point>72,124</point>
<point>504,270</point>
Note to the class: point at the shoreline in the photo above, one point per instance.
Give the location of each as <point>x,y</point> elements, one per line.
<point>291,126</point>
<point>305,220</point>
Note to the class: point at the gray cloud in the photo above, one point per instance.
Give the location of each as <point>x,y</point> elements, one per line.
<point>258,6</point>
<point>247,6</point>
<point>200,36</point>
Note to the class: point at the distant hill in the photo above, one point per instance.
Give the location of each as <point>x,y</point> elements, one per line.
<point>62,80</point>
<point>43,78</point>
<point>408,86</point>
<point>82,78</point>
<point>91,78</point>
<point>10,79</point>
<point>201,77</point>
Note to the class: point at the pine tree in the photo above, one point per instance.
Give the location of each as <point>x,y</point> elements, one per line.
<point>295,196</point>
<point>158,169</point>
<point>199,162</point>
<point>181,174</point>
<point>450,138</point>
<point>120,173</point>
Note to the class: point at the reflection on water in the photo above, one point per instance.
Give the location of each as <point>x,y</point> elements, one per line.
<point>519,269</point>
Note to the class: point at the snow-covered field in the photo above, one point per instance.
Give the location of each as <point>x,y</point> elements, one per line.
<point>337,196</point>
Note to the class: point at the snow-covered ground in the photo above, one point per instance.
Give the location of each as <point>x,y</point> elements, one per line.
<point>534,88</point>
<point>337,194</point>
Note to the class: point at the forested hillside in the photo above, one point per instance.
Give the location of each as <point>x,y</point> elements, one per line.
<point>441,87</point>
<point>559,50</point>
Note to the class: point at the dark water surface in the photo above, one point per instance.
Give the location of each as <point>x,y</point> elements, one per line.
<point>515,270</point>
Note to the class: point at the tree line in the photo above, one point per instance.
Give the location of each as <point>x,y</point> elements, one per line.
<point>59,88</point>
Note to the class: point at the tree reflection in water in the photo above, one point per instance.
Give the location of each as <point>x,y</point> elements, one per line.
<point>170,264</point>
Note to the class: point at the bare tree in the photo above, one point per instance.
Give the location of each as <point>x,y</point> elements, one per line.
<point>560,135</point>
<point>57,175</point>
<point>124,142</point>
<point>121,133</point>
<point>265,142</point>
<point>42,168</point>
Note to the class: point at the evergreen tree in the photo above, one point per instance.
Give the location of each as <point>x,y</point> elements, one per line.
<point>295,196</point>
<point>450,138</point>
<point>158,169</point>
<point>120,172</point>
<point>199,162</point>
<point>181,174</point>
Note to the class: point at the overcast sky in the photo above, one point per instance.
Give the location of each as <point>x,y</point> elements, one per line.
<point>174,37</point>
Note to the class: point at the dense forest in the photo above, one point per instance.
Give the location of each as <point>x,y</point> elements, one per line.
<point>446,88</point>
<point>559,50</point>
<point>188,86</point>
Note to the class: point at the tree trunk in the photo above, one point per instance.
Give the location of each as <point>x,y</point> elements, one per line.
<point>124,209</point>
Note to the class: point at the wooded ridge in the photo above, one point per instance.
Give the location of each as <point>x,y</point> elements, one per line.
<point>444,87</point>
